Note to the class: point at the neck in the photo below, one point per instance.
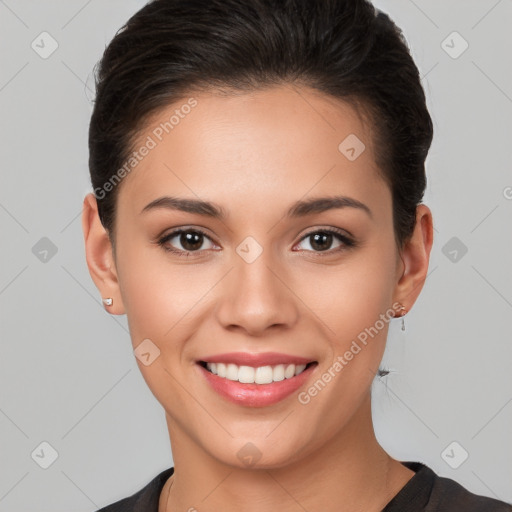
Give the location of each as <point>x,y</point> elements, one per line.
<point>351,472</point>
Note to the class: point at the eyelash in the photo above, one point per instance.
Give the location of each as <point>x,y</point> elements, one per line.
<point>348,243</point>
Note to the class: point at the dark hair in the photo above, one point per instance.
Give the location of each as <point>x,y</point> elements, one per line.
<point>343,48</point>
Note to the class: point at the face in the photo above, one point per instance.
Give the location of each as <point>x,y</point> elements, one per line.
<point>266,283</point>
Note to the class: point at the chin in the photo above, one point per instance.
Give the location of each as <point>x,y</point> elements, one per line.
<point>256,452</point>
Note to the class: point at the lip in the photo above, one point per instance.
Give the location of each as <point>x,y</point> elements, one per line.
<point>256,395</point>
<point>255,360</point>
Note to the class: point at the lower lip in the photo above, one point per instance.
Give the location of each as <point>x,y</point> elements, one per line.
<point>256,395</point>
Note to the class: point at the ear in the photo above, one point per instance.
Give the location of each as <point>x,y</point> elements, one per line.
<point>99,255</point>
<point>415,256</point>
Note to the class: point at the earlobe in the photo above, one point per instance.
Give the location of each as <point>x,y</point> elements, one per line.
<point>99,256</point>
<point>416,257</point>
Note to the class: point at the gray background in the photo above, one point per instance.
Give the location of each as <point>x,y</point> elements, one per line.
<point>68,376</point>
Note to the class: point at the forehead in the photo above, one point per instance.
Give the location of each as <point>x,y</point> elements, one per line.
<point>271,144</point>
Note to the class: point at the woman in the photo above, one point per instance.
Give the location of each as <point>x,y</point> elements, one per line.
<point>258,171</point>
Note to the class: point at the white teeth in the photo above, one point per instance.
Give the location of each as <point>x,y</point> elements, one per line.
<point>221,369</point>
<point>278,372</point>
<point>299,368</point>
<point>232,372</point>
<point>263,375</point>
<point>246,374</point>
<point>289,371</point>
<point>259,375</point>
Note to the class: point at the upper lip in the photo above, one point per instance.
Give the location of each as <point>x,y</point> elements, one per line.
<point>256,360</point>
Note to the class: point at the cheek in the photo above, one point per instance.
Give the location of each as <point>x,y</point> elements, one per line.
<point>351,296</point>
<point>350,301</point>
<point>158,300</point>
<point>351,304</point>
<point>157,295</point>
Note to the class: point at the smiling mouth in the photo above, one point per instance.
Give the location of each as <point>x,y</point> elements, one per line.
<point>256,375</point>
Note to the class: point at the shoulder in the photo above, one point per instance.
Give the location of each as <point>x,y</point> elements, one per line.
<point>144,500</point>
<point>429,492</point>
<point>449,495</point>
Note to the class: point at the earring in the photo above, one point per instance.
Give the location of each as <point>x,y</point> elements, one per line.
<point>403,312</point>
<point>108,302</point>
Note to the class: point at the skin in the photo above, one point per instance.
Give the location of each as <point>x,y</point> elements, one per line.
<point>255,154</point>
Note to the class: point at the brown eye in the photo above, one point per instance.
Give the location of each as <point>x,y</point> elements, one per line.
<point>184,241</point>
<point>191,241</point>
<point>322,241</point>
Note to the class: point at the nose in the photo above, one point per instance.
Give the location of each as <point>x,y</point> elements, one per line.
<point>256,297</point>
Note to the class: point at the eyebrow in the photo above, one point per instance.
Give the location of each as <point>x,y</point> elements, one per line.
<point>298,209</point>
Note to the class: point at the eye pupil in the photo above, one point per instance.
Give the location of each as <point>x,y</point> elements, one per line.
<point>320,237</point>
<point>191,240</point>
